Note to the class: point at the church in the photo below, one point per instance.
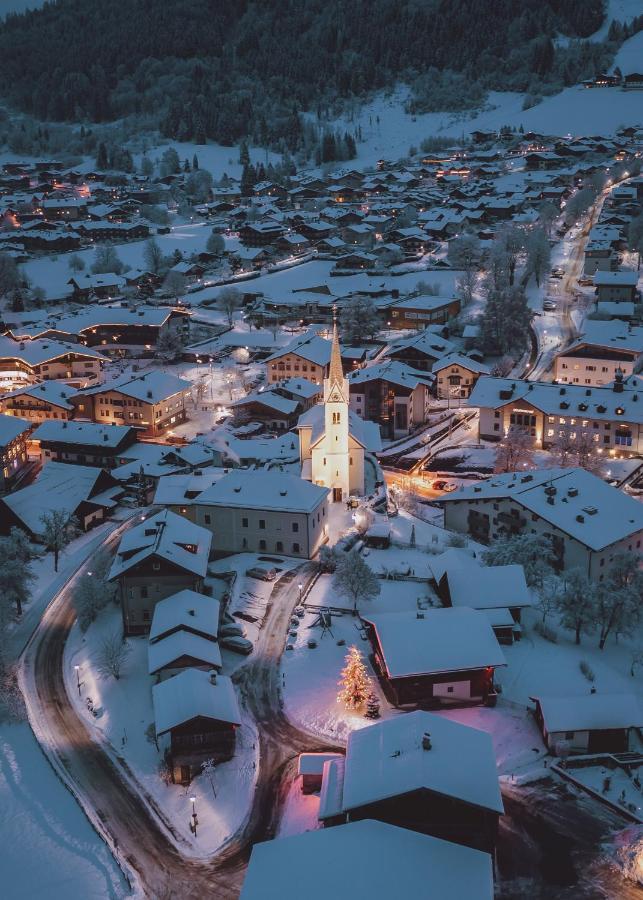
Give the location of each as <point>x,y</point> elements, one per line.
<point>333,440</point>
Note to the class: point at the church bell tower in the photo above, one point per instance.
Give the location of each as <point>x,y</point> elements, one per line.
<point>336,446</point>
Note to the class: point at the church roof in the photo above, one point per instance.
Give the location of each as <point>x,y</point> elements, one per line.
<point>335,371</point>
<point>367,434</point>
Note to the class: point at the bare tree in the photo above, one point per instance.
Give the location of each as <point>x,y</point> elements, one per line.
<point>354,579</point>
<point>538,254</point>
<point>92,593</point>
<point>112,655</point>
<point>175,284</point>
<point>229,302</point>
<point>153,256</point>
<point>59,530</point>
<point>514,451</point>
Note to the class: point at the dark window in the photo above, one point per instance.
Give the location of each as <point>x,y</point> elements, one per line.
<point>295,548</point>
<point>262,544</point>
<point>144,593</point>
<point>279,547</point>
<point>244,522</point>
<point>295,526</point>
<point>262,523</point>
<point>207,519</point>
<point>146,615</point>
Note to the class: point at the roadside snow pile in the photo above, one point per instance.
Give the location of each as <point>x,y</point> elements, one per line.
<point>627,852</point>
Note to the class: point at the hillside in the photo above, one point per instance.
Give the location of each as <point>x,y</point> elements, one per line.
<point>212,69</point>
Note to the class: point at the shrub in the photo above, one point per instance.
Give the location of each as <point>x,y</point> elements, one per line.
<point>586,669</point>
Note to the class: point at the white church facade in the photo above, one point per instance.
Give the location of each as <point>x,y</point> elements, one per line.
<point>333,440</point>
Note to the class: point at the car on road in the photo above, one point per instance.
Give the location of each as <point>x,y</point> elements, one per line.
<point>442,485</point>
<point>586,281</point>
<point>557,273</point>
<point>549,304</point>
<point>237,644</point>
<point>263,573</point>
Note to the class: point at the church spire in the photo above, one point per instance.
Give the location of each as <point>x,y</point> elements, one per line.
<point>335,371</point>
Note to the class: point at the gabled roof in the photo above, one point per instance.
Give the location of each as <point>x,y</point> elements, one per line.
<point>354,861</point>
<point>465,362</point>
<point>55,392</point>
<point>153,386</point>
<point>391,371</point>
<point>169,649</point>
<point>310,346</point>
<point>264,490</point>
<point>39,351</point>
<point>367,434</point>
<point>190,694</point>
<point>164,536</point>
<point>388,760</point>
<point>83,433</point>
<point>186,610</point>
<point>590,712</point>
<point>10,428</point>
<point>444,640</point>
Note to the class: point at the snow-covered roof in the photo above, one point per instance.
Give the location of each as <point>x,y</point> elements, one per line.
<point>82,433</point>
<point>172,647</point>
<point>366,859</point>
<point>168,537</point>
<point>313,763</point>
<point>590,712</point>
<point>391,371</point>
<point>465,362</point>
<point>39,351</point>
<point>309,346</point>
<point>55,392</point>
<point>584,506</point>
<point>388,759</point>
<point>444,640</point>
<point>610,335</point>
<point>270,399</point>
<point>599,403</point>
<point>190,694</point>
<point>172,490</point>
<point>10,428</point>
<point>188,611</point>
<point>153,386</point>
<point>95,316</point>
<point>488,587</point>
<point>264,490</point>
<point>60,486</point>
<point>623,278</point>
<point>453,558</point>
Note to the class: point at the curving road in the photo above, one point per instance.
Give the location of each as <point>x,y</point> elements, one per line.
<point>141,838</point>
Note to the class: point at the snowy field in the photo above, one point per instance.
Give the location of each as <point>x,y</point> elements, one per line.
<point>125,713</point>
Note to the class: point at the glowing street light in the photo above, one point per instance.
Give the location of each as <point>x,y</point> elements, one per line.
<point>77,669</point>
<point>195,821</point>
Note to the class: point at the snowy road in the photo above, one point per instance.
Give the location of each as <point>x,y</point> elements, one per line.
<point>140,838</point>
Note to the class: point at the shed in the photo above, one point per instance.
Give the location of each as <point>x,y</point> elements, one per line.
<point>590,723</point>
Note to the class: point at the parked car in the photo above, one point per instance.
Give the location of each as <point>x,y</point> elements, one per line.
<point>231,629</point>
<point>237,644</point>
<point>263,573</point>
<point>549,304</point>
<point>442,485</point>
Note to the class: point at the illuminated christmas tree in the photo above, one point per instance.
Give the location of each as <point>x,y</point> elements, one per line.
<point>355,683</point>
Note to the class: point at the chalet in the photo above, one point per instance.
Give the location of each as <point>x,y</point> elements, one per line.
<point>152,402</point>
<point>401,771</point>
<point>177,489</point>
<point>292,244</point>
<point>440,657</point>
<point>420,311</point>
<point>278,869</point>
<point>85,493</point>
<point>98,232</point>
<point>121,329</point>
<point>391,394</point>
<point>247,259</point>
<point>633,81</point>
<point>188,612</point>
<point>306,356</point>
<point>13,450</point>
<point>272,409</point>
<point>39,402</point>
<point>65,208</point>
<point>84,443</point>
<point>542,160</point>
<point>192,272</point>
<point>316,231</point>
<point>456,376</point>
<point>616,286</point>
<point>609,417</point>
<point>584,519</point>
<point>357,260</point>
<point>602,351</point>
<point>361,234</point>
<point>180,650</point>
<point>260,234</point>
<point>200,713</point>
<point>100,287</point>
<point>590,723</point>
<point>420,351</point>
<point>260,512</point>
<point>162,555</point>
<point>25,362</point>
<point>599,256</point>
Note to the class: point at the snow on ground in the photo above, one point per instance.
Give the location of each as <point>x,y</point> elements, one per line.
<point>621,786</point>
<point>213,157</point>
<point>629,57</point>
<point>47,846</point>
<point>125,713</point>
<point>299,813</point>
<point>622,11</point>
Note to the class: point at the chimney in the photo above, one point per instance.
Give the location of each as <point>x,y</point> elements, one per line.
<point>426,741</point>
<point>213,676</point>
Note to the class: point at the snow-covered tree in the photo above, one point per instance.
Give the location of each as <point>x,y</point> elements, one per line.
<point>577,602</point>
<point>327,559</point>
<point>112,655</point>
<point>359,321</point>
<point>92,592</point>
<point>514,451</point>
<point>16,554</point>
<point>59,530</point>
<point>153,257</point>
<point>76,263</point>
<point>9,274</point>
<point>619,598</point>
<point>198,185</point>
<point>512,241</point>
<point>215,244</point>
<point>354,579</point>
<point>170,163</point>
<point>464,252</point>
<point>532,552</point>
<point>106,260</point>
<point>175,284</point>
<point>229,302</point>
<point>538,254</point>
<point>170,345</point>
<point>372,706</point>
<point>547,214</point>
<point>355,683</point>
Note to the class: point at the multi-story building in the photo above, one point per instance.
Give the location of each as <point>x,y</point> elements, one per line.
<point>306,357</point>
<point>611,416</point>
<point>604,349</point>
<point>84,443</point>
<point>456,376</point>
<point>391,394</point>
<point>616,286</point>
<point>39,402</point>
<point>13,449</point>
<point>585,520</point>
<point>25,362</point>
<point>152,402</point>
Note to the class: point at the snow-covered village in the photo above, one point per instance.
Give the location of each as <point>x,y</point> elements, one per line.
<point>321,430</point>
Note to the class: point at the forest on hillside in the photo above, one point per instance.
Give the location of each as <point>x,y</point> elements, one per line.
<point>213,69</point>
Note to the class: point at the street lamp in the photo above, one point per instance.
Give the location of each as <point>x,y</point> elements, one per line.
<point>301,587</point>
<point>195,821</point>
<point>77,668</point>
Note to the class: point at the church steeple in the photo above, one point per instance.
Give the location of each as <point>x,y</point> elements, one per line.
<point>335,371</point>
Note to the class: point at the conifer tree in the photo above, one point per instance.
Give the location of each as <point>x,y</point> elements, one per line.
<point>372,706</point>
<point>355,682</point>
